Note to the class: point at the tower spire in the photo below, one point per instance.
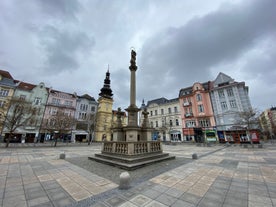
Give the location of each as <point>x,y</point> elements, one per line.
<point>106,91</point>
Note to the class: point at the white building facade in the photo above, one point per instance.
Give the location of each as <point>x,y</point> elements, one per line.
<point>229,98</point>
<point>85,116</point>
<point>165,118</point>
<point>36,96</point>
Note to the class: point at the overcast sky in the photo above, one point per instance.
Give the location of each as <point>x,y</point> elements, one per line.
<point>68,45</point>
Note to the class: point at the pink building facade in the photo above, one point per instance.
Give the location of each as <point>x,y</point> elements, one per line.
<point>58,102</point>
<point>197,114</point>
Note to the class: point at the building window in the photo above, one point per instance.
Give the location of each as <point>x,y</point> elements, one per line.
<point>175,109</point>
<point>81,115</point>
<point>162,111</point>
<point>84,116</point>
<point>230,92</point>
<point>151,113</point>
<point>189,110</point>
<point>233,104</point>
<point>68,103</point>
<point>224,105</point>
<point>190,123</point>
<point>155,112</point>
<point>54,112</point>
<point>198,97</point>
<point>52,122</point>
<point>22,97</point>
<point>204,123</point>
<point>37,101</point>
<point>163,122</point>
<point>176,122</point>
<point>169,110</point>
<point>156,123</point>
<point>200,108</point>
<point>221,94</point>
<point>56,101</point>
<point>4,92</point>
<point>93,108</point>
<point>171,123</point>
<point>2,104</point>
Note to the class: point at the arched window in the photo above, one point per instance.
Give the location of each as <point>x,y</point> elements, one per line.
<point>198,97</point>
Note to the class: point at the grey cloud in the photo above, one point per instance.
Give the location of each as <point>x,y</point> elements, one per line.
<point>262,61</point>
<point>63,48</point>
<point>120,84</point>
<point>60,8</point>
<point>190,51</point>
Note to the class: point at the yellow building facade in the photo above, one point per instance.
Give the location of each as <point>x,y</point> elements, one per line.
<point>104,113</point>
<point>104,119</point>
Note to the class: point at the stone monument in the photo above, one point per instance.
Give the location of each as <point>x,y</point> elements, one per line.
<point>132,146</point>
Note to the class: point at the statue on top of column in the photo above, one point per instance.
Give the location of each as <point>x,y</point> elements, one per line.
<point>133,61</point>
<point>133,57</point>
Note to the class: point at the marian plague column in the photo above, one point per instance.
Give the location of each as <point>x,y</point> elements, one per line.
<point>132,109</point>
<point>131,146</point>
<point>132,127</point>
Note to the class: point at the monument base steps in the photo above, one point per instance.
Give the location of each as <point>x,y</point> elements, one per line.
<point>131,162</point>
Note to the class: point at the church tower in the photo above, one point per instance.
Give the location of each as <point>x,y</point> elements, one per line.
<point>104,113</point>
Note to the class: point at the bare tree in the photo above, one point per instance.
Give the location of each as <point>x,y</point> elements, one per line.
<point>58,124</point>
<point>264,126</point>
<point>20,113</point>
<point>91,127</point>
<point>249,120</point>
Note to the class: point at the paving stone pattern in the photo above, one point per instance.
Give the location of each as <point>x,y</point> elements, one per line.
<point>221,176</point>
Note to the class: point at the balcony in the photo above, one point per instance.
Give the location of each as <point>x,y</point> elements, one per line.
<point>189,115</point>
<point>187,103</point>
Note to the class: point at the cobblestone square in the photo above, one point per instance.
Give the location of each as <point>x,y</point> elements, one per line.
<point>221,176</point>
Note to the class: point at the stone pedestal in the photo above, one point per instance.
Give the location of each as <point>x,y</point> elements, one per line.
<point>118,134</point>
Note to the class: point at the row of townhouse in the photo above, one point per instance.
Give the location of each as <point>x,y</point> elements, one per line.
<point>54,113</point>
<point>203,112</point>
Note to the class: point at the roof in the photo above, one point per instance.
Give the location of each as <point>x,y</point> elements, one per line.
<point>223,79</point>
<point>57,92</point>
<point>86,96</point>
<point>189,90</point>
<point>24,86</point>
<point>162,100</point>
<point>6,74</point>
